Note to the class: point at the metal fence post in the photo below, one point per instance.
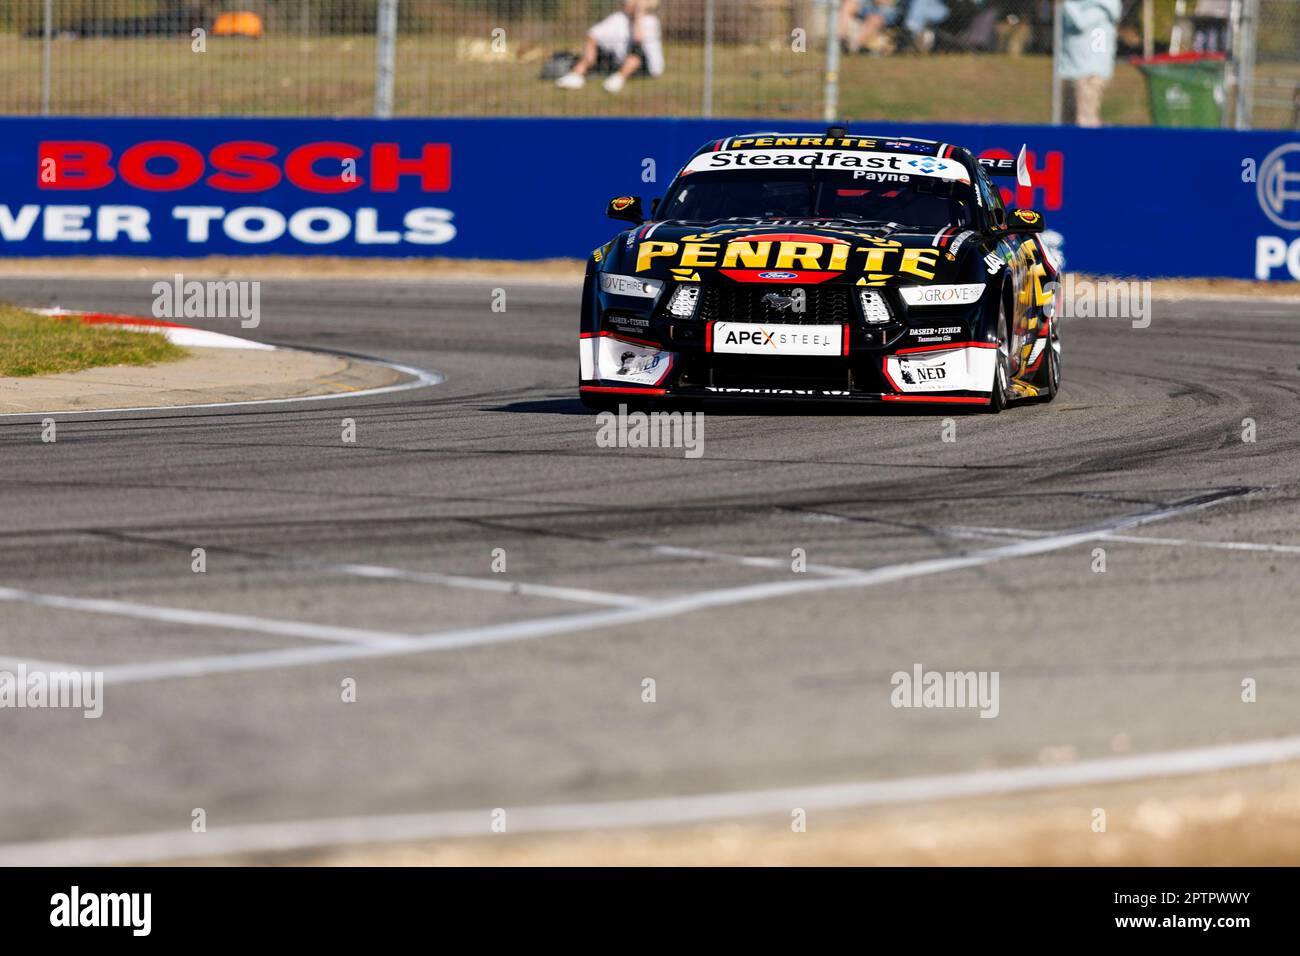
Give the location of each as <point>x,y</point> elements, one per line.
<point>831,94</point>
<point>1246,64</point>
<point>385,55</point>
<point>1058,30</point>
<point>706,104</point>
<point>47,51</point>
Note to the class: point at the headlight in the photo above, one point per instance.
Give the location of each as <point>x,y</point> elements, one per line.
<point>684,300</point>
<point>874,308</point>
<point>630,285</point>
<point>923,295</point>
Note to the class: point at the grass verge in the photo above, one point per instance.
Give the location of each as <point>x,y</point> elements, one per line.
<point>334,76</point>
<point>33,344</point>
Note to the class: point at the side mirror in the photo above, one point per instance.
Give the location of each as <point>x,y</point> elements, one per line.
<point>654,206</point>
<point>627,208</point>
<point>1025,221</point>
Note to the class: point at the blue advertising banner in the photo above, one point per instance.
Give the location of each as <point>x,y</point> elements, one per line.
<point>1121,201</point>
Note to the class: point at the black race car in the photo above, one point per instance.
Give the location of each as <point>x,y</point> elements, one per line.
<point>824,267</point>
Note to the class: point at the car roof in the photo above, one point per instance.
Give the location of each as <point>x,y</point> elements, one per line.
<point>836,137</point>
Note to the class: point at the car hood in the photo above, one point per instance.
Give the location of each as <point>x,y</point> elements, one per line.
<point>796,250</point>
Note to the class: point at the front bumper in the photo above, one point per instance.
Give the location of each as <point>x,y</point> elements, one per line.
<point>739,343</point>
<point>952,372</point>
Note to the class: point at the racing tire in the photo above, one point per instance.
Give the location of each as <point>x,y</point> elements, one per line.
<point>1002,371</point>
<point>1053,372</point>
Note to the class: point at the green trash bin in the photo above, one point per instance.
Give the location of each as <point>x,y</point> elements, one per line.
<point>1185,89</point>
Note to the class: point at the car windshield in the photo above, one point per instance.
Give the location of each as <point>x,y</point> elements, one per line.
<point>923,201</point>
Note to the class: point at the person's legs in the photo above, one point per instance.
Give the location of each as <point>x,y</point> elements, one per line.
<point>1088,93</point>
<point>577,75</point>
<point>616,81</point>
<point>589,52</point>
<point>848,22</point>
<point>869,30</point>
<point>630,65</point>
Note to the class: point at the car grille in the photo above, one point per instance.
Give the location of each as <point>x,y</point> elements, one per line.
<point>699,369</point>
<point>823,305</point>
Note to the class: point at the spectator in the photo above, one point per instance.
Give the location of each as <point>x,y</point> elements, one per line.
<point>630,38</point>
<point>1087,56</point>
<point>921,15</point>
<point>863,23</point>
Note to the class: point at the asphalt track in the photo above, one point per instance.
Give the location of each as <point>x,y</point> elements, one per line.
<point>478,690</point>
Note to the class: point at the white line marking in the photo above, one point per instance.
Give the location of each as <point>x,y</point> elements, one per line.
<point>663,811</point>
<point>14,663</point>
<point>421,379</point>
<point>1243,299</point>
<point>981,534</point>
<point>483,584</point>
<point>1132,539</point>
<point>780,564</point>
<point>666,607</point>
<point>235,622</point>
<point>1218,545</point>
<point>978,531</point>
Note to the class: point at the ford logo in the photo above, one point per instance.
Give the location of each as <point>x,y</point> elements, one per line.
<point>778,275</point>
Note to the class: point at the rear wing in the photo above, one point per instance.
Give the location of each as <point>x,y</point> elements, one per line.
<point>1009,167</point>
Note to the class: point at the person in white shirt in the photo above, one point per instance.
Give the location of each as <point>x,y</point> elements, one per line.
<point>1087,56</point>
<point>632,37</point>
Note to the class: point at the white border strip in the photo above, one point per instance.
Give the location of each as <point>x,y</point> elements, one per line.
<point>173,615</point>
<point>303,834</point>
<point>420,379</point>
<point>498,585</point>
<point>15,663</point>
<point>184,335</point>
<point>1001,533</point>
<point>745,560</point>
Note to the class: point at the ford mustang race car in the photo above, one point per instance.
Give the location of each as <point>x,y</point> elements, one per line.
<point>824,267</point>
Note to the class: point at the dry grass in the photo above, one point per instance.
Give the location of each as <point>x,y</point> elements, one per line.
<point>334,76</point>
<point>33,344</point>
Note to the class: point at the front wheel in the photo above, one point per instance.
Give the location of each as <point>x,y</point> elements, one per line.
<point>1002,371</point>
<point>1053,359</point>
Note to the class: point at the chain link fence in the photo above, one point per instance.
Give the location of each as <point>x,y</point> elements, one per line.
<point>981,61</point>
<point>1275,89</point>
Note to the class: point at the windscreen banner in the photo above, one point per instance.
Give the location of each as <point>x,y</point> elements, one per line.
<point>1120,201</point>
